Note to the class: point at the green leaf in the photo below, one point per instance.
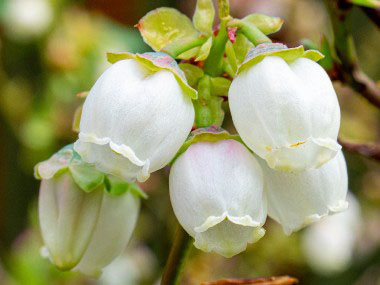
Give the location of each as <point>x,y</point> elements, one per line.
<point>192,72</point>
<point>220,86</point>
<point>367,3</point>
<point>241,46</point>
<point>163,26</point>
<point>327,62</point>
<point>76,119</point>
<point>86,176</point>
<point>266,24</point>
<point>203,18</point>
<point>116,187</point>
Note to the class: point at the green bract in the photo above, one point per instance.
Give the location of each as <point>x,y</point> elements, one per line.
<point>266,24</point>
<point>257,54</point>
<point>85,175</point>
<point>156,61</point>
<point>192,72</point>
<point>203,18</point>
<point>163,26</point>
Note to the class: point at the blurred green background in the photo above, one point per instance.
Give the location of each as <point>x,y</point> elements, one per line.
<point>50,50</point>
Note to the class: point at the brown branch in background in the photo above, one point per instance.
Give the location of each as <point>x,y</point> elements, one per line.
<point>364,149</point>
<point>359,81</point>
<point>348,70</point>
<point>373,14</point>
<point>280,280</point>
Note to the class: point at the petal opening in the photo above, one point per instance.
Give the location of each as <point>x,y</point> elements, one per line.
<point>311,153</point>
<point>227,235</point>
<point>123,161</point>
<point>340,206</point>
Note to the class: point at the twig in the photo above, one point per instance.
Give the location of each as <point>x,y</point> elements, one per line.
<point>358,81</point>
<point>177,256</point>
<point>347,70</point>
<point>280,280</point>
<point>365,149</point>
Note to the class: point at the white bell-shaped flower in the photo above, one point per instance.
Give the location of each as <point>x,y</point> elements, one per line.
<point>298,199</point>
<point>84,231</point>
<point>330,244</point>
<point>84,227</point>
<point>285,108</point>
<point>216,190</point>
<point>135,118</point>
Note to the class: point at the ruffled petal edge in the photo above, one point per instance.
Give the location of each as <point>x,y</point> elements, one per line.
<point>212,221</point>
<point>340,206</point>
<point>330,146</point>
<point>122,149</point>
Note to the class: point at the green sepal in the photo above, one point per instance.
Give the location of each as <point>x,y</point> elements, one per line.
<point>86,176</point>
<point>203,114</point>
<point>241,46</point>
<point>258,53</point>
<point>204,14</point>
<point>266,24</point>
<point>220,86</point>
<point>76,120</point>
<point>192,72</point>
<point>231,57</point>
<point>67,159</point>
<point>57,163</point>
<point>367,3</point>
<point>156,61</point>
<point>227,68</point>
<point>217,111</point>
<point>116,186</point>
<point>211,135</point>
<point>163,26</point>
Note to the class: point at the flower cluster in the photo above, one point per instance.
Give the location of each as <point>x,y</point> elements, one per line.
<point>284,163</point>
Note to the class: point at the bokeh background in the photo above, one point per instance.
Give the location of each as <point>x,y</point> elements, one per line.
<point>50,50</point>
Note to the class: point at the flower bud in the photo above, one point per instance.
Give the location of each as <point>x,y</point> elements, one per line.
<point>85,222</point>
<point>285,108</point>
<point>337,236</point>
<point>136,117</point>
<point>216,190</point>
<point>298,199</point>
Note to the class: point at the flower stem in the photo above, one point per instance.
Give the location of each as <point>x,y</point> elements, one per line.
<point>214,62</point>
<point>176,48</point>
<point>178,252</point>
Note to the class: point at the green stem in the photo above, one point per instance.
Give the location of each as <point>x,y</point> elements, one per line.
<point>214,62</point>
<point>253,34</point>
<point>179,47</point>
<point>224,9</point>
<point>175,263</point>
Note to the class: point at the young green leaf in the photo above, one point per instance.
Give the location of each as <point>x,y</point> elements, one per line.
<point>266,24</point>
<point>203,18</point>
<point>163,26</point>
